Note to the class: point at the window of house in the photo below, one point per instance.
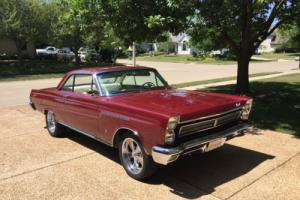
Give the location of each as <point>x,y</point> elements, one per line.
<point>184,46</point>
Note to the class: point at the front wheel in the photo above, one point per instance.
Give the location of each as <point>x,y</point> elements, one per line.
<point>134,159</point>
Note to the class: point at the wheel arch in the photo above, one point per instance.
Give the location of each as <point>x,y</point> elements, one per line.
<point>121,132</point>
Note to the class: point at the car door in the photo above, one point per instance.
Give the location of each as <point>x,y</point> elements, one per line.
<point>81,108</point>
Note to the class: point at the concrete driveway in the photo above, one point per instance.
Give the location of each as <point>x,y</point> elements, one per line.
<point>17,93</point>
<point>33,165</point>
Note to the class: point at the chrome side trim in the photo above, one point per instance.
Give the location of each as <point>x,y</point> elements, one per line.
<point>87,134</point>
<point>215,115</point>
<point>166,155</point>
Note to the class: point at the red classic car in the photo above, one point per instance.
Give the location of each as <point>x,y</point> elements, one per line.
<point>135,110</point>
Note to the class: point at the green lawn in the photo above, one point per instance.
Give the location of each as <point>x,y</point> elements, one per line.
<point>185,59</point>
<point>276,56</point>
<point>214,60</point>
<point>195,83</point>
<point>39,69</point>
<point>276,103</point>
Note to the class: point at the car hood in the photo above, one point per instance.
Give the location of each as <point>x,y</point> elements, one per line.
<point>187,104</point>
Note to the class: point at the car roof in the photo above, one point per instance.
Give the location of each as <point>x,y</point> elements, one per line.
<point>106,69</point>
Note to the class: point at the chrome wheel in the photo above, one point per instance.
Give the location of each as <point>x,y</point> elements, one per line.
<point>51,124</point>
<point>132,156</point>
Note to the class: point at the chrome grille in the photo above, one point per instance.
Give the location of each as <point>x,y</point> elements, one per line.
<point>210,123</point>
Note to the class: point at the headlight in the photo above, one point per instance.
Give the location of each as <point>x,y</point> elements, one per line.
<point>246,110</point>
<point>170,134</point>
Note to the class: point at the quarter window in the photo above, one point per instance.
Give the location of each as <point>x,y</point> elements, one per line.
<point>84,84</point>
<point>68,86</point>
<point>81,83</point>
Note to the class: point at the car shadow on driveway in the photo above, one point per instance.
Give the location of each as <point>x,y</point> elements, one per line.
<point>192,176</point>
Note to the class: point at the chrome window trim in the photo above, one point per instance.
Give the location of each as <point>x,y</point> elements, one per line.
<point>210,116</point>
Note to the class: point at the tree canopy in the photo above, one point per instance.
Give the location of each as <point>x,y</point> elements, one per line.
<point>143,20</point>
<point>26,20</point>
<point>241,26</point>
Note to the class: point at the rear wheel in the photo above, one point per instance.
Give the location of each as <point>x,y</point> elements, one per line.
<point>55,129</point>
<point>134,159</point>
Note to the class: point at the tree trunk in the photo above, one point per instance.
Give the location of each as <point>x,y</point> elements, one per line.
<point>242,85</point>
<point>77,58</point>
<point>19,55</point>
<point>134,53</point>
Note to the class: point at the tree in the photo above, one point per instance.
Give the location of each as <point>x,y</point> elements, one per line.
<point>242,26</point>
<point>144,20</point>
<point>26,21</point>
<point>80,24</point>
<point>290,37</point>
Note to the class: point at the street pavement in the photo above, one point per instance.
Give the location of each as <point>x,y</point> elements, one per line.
<point>17,92</point>
<point>33,165</point>
<point>187,72</point>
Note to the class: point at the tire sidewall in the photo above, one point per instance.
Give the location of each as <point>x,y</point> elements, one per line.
<point>144,173</point>
<point>57,131</point>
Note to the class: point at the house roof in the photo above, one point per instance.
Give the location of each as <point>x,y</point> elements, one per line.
<point>180,37</point>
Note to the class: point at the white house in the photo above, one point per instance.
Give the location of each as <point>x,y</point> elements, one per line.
<point>266,46</point>
<point>182,45</point>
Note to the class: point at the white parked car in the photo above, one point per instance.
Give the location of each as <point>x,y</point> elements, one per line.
<point>47,52</point>
<point>87,54</point>
<point>65,54</point>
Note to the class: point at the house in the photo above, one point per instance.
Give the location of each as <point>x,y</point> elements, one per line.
<point>266,45</point>
<point>272,42</point>
<point>181,44</point>
<point>9,48</point>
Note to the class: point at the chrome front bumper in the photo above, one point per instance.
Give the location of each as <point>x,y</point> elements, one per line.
<point>165,156</point>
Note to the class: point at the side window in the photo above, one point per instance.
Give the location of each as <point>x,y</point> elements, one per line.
<point>68,86</point>
<point>84,84</point>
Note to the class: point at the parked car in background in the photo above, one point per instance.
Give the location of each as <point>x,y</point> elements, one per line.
<point>135,110</point>
<point>48,52</point>
<point>65,54</point>
<point>87,54</point>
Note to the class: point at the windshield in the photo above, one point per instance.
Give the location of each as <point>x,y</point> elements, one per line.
<point>130,81</point>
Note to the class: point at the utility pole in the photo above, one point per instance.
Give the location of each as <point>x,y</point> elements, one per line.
<point>133,54</point>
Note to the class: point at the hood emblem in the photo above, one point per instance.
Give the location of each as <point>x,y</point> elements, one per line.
<point>237,104</point>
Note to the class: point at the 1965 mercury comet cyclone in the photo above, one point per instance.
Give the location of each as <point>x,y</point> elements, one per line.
<point>135,110</point>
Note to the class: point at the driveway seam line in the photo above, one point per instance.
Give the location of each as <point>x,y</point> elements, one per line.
<point>47,166</point>
<point>265,174</point>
